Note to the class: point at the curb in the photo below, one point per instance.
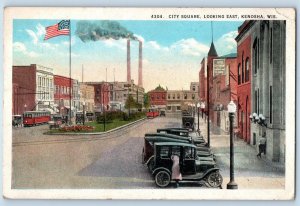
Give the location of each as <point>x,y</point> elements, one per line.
<point>101,133</point>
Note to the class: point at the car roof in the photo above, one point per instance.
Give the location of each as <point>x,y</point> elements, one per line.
<point>173,128</point>
<point>166,135</point>
<point>174,144</point>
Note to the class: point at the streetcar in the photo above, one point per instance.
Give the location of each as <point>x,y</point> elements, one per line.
<point>152,113</point>
<point>32,118</point>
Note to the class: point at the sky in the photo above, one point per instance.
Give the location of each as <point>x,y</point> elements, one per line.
<point>172,50</point>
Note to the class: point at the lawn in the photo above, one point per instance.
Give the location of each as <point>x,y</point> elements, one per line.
<point>99,127</point>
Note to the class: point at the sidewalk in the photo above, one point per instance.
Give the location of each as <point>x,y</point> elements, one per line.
<point>250,171</point>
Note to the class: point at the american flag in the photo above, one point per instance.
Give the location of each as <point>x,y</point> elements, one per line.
<point>62,28</point>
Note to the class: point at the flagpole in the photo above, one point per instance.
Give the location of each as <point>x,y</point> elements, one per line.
<point>70,74</point>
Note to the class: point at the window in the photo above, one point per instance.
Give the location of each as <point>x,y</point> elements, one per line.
<point>185,96</point>
<point>164,152</point>
<point>173,96</point>
<point>178,96</point>
<point>255,55</point>
<point>257,101</point>
<point>227,75</point>
<point>271,104</point>
<point>158,97</point>
<point>169,96</point>
<point>194,88</point>
<point>271,45</point>
<point>243,69</point>
<point>169,107</point>
<point>239,74</point>
<point>178,108</point>
<point>247,70</point>
<point>193,96</point>
<point>189,153</point>
<point>176,150</point>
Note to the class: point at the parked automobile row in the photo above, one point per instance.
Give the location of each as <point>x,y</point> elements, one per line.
<point>197,162</point>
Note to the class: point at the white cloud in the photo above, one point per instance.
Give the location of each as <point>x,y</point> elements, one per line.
<point>33,35</point>
<point>190,47</point>
<point>153,44</point>
<point>121,44</point>
<point>40,30</point>
<point>226,43</point>
<point>21,48</point>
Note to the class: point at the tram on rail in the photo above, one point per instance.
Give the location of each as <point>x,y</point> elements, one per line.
<point>32,118</point>
<point>152,113</point>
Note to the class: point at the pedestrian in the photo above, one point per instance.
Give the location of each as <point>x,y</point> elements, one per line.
<point>262,146</point>
<point>176,175</point>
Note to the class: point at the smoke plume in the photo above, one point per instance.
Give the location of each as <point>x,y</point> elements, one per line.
<point>100,30</point>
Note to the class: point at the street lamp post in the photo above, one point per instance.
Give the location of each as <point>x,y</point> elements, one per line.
<point>198,106</point>
<point>231,110</point>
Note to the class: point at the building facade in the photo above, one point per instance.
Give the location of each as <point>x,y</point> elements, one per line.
<point>178,100</point>
<point>244,81</point>
<point>101,95</point>
<point>87,95</point>
<point>268,43</point>
<point>62,95</point>
<point>158,97</point>
<point>33,87</point>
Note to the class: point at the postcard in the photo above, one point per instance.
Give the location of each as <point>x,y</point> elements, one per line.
<point>149,103</point>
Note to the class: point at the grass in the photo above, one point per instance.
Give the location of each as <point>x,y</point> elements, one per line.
<point>99,127</point>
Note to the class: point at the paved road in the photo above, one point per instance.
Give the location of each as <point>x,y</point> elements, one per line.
<point>112,161</point>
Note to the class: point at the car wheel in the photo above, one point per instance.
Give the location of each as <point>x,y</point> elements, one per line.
<point>162,178</point>
<point>214,179</point>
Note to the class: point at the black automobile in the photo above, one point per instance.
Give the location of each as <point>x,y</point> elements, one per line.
<point>162,113</point>
<point>188,122</point>
<point>192,169</point>
<point>79,118</point>
<point>56,121</point>
<point>17,120</point>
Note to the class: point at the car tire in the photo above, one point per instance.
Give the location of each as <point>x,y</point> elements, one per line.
<point>162,178</point>
<point>214,179</point>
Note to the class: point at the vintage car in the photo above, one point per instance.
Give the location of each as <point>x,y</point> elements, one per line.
<point>197,139</point>
<point>79,118</point>
<point>192,169</point>
<point>17,120</point>
<point>56,121</point>
<point>203,153</point>
<point>162,113</point>
<point>188,122</point>
<point>90,116</point>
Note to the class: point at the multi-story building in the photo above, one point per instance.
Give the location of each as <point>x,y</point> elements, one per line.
<point>101,95</point>
<point>62,95</point>
<point>267,41</point>
<point>244,81</point>
<point>119,92</point>
<point>33,89</point>
<point>158,97</point>
<point>178,100</point>
<point>87,95</point>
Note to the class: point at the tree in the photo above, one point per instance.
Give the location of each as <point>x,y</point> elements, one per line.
<point>130,102</point>
<point>146,100</point>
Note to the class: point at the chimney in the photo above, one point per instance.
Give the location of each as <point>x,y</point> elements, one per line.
<point>140,81</point>
<point>128,62</point>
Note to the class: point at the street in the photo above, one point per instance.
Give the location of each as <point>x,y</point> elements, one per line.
<point>114,161</point>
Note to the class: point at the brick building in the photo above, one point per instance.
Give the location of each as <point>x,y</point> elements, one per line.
<point>102,95</point>
<point>267,41</point>
<point>87,95</point>
<point>32,89</point>
<point>62,94</point>
<point>244,81</point>
<point>158,97</point>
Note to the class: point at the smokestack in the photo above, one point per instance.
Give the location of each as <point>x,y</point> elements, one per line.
<point>140,81</point>
<point>128,61</point>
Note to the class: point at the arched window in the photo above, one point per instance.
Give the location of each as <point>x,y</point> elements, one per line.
<point>255,55</point>
<point>247,70</point>
<point>243,69</point>
<point>239,74</point>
